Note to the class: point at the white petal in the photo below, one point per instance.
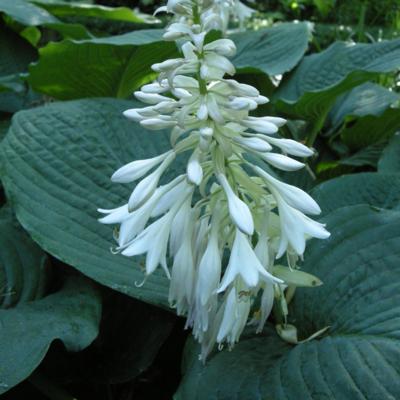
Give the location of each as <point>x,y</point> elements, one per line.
<point>253,143</point>
<point>294,196</point>
<point>209,271</point>
<point>282,162</point>
<point>146,187</point>
<point>136,169</point>
<point>238,209</point>
<point>292,147</point>
<point>194,169</point>
<point>115,216</point>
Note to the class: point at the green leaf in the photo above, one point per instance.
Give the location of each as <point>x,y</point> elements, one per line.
<point>370,130</point>
<point>28,14</point>
<point>58,160</point>
<point>61,9</point>
<point>320,78</point>
<point>274,50</point>
<point>356,358</point>
<point>390,160</point>
<point>112,66</point>
<point>377,190</point>
<point>23,271</point>
<point>367,156</point>
<point>366,99</point>
<point>72,315</point>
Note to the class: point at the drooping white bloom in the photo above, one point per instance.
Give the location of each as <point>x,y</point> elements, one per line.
<point>136,169</point>
<point>238,209</point>
<point>235,316</point>
<point>146,187</point>
<point>220,204</point>
<point>244,262</point>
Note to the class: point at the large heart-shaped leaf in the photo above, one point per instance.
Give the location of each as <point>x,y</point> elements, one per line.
<point>314,86</point>
<point>72,315</point>
<point>378,190</point>
<point>358,357</point>
<point>274,50</point>
<point>117,65</point>
<point>111,66</point>
<point>390,160</point>
<point>23,271</point>
<point>58,160</point>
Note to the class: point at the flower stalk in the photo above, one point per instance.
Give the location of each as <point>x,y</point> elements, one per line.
<point>237,203</point>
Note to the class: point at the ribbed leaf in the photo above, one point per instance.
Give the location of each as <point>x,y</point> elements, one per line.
<point>377,190</point>
<point>315,84</point>
<point>72,315</point>
<point>58,160</point>
<point>358,356</point>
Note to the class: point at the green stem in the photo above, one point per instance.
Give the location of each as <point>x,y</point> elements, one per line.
<point>48,388</point>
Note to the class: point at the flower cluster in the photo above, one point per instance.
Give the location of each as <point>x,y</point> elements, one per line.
<point>223,207</point>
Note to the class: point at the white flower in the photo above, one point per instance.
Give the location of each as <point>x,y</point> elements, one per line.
<point>194,169</point>
<point>146,187</point>
<point>223,47</point>
<point>238,209</point>
<point>290,146</point>
<point>254,143</point>
<point>296,227</point>
<point>153,242</point>
<point>136,169</point>
<point>182,278</point>
<point>282,162</point>
<point>244,262</point>
<point>209,270</point>
<point>294,196</point>
<point>236,312</point>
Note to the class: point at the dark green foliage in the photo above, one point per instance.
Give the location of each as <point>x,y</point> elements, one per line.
<point>64,294</point>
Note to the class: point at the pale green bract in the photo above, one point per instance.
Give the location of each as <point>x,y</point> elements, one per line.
<point>240,203</point>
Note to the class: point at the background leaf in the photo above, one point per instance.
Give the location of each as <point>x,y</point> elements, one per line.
<point>360,271</point>
<point>366,99</point>
<point>274,50</point>
<point>58,160</point>
<point>72,315</point>
<point>375,189</point>
<point>64,8</point>
<point>29,14</point>
<point>315,84</point>
<point>112,66</point>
